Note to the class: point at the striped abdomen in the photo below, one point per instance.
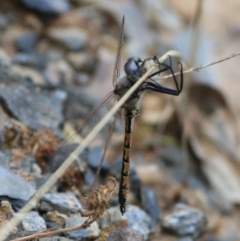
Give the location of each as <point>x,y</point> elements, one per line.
<point>124,183</point>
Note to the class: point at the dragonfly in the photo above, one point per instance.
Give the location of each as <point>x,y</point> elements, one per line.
<point>134,69</point>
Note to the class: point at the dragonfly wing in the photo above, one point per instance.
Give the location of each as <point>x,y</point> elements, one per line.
<point>117,65</point>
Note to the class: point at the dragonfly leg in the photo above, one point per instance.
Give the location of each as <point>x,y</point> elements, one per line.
<point>154,86</point>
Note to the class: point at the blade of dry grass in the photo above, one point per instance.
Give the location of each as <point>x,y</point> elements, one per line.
<point>195,32</point>
<point>185,98</point>
<point>4,231</point>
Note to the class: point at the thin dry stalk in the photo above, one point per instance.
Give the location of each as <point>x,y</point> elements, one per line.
<point>185,99</point>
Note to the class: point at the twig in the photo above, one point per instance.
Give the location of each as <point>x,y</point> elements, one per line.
<point>48,232</point>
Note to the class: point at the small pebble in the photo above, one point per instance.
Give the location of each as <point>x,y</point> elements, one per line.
<point>150,205</point>
<point>34,60</point>
<point>138,220</point>
<point>33,222</point>
<point>91,232</point>
<point>61,202</point>
<point>94,158</point>
<point>135,218</point>
<point>74,39</point>
<point>48,7</point>
<point>27,41</point>
<point>185,221</point>
<point>14,188</point>
<point>125,234</point>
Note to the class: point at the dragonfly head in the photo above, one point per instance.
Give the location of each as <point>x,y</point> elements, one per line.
<point>133,68</point>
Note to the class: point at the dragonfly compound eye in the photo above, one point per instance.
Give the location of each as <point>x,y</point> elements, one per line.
<point>133,69</point>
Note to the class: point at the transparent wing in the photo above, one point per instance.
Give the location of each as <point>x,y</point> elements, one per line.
<point>115,125</point>
<point>117,65</point>
<point>92,119</point>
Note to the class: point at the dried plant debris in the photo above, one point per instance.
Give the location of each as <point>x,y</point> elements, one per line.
<point>98,201</point>
<point>5,213</point>
<point>44,144</point>
<point>16,134</point>
<point>25,144</point>
<point>56,217</point>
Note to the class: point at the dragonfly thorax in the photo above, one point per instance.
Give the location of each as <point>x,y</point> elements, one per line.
<point>123,84</point>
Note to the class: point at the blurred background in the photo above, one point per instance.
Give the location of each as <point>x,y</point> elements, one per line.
<point>56,64</point>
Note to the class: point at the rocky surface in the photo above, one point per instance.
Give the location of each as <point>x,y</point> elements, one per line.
<point>185,221</point>
<point>14,188</point>
<point>56,64</point>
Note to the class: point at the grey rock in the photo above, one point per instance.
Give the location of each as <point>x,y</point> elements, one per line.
<point>4,158</point>
<point>4,64</point>
<point>125,234</point>
<point>89,176</point>
<point>39,181</point>
<point>136,184</point>
<point>150,205</point>
<point>185,221</point>
<point>74,39</point>
<point>19,234</point>
<point>6,19</point>
<point>62,202</point>
<point>185,239</point>
<point>62,153</point>
<point>33,222</point>
<point>27,41</point>
<point>82,61</point>
<point>171,155</point>
<point>48,7</point>
<point>138,220</point>
<point>135,218</point>
<point>36,110</point>
<point>79,103</point>
<point>112,214</point>
<point>82,79</point>
<point>14,188</point>
<point>27,164</point>
<point>90,232</point>
<point>95,155</point>
<point>58,72</point>
<point>170,159</point>
<point>34,60</point>
<point>27,76</point>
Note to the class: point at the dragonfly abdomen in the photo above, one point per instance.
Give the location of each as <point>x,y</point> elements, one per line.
<point>124,183</point>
